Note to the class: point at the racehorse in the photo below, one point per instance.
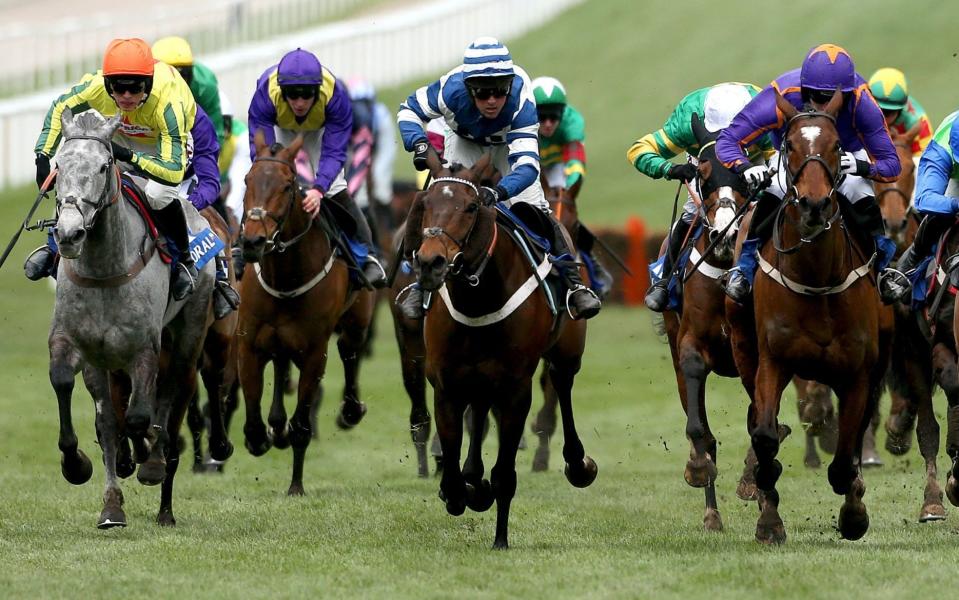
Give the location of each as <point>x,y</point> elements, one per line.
<point>113,320</point>
<point>479,353</point>
<point>815,313</point>
<point>296,296</point>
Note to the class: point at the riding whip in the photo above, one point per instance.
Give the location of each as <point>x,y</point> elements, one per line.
<point>26,221</point>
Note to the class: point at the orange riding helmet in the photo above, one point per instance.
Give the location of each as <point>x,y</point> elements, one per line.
<point>128,59</point>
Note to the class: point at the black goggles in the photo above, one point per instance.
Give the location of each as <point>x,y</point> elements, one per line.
<point>295,92</point>
<point>133,86</point>
<point>485,93</point>
<point>820,96</point>
<point>549,114</point>
<point>186,72</point>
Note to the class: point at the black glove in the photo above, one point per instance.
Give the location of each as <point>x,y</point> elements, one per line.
<point>43,169</point>
<point>120,153</point>
<point>490,196</point>
<point>684,172</point>
<point>420,151</point>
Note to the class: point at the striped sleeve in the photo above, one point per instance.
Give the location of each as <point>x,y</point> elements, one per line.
<point>523,144</point>
<point>420,108</point>
<point>76,99</point>
<point>168,164</point>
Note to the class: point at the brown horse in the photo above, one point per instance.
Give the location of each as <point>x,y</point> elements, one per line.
<point>485,333</point>
<point>296,293</point>
<point>816,313</point>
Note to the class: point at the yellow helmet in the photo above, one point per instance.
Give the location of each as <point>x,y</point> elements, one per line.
<point>174,51</point>
<point>889,88</point>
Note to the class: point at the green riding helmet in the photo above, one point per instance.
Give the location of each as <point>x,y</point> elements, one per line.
<point>547,90</point>
<point>888,87</point>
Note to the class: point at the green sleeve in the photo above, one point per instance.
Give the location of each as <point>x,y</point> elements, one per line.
<point>207,94</point>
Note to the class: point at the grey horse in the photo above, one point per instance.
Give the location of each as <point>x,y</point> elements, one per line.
<point>113,318</point>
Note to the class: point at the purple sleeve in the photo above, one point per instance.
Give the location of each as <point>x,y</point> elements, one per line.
<point>206,152</point>
<point>755,119</point>
<point>871,127</point>
<point>336,137</point>
<point>262,114</point>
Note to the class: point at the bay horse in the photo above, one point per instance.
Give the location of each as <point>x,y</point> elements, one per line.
<point>815,313</point>
<point>113,320</point>
<point>296,293</point>
<point>480,354</point>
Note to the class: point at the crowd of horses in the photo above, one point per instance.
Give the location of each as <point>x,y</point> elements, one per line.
<point>495,315</point>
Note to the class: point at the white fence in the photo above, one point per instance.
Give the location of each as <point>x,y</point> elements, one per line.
<point>386,49</point>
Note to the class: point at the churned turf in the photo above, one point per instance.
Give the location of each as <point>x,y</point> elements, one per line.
<point>369,528</point>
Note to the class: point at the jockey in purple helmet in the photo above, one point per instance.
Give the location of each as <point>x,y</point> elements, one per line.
<point>868,154</point>
<point>299,96</point>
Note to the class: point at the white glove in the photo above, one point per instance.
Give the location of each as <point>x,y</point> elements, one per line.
<point>756,176</point>
<point>850,165</point>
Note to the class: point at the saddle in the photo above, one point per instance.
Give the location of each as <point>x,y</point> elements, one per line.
<point>676,284</point>
<point>135,196</point>
<point>936,275</point>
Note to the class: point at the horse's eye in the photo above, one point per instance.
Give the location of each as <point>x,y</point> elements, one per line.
<point>787,145</point>
<point>103,167</point>
<point>472,207</point>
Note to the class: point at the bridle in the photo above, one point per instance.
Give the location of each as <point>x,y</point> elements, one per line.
<point>104,200</point>
<point>703,194</point>
<point>792,195</point>
<point>457,262</point>
<point>260,213</point>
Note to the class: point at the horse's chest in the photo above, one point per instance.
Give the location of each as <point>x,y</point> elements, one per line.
<point>817,338</point>
<point>113,344</point>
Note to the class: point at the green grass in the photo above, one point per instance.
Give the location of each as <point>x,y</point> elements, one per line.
<point>369,528</point>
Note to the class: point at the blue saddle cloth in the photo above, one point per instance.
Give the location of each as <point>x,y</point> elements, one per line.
<point>921,287</point>
<point>674,287</point>
<point>512,218</point>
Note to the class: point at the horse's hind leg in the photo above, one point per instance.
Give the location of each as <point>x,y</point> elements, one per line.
<point>945,372</point>
<point>410,342</point>
<point>355,329</point>
<point>194,421</point>
<point>217,376</point>
<point>279,429</point>
<point>165,516</point>
<point>108,435</point>
<point>64,364</point>
<point>771,380</point>
<point>543,424</point>
<point>512,418</point>
<point>580,470</point>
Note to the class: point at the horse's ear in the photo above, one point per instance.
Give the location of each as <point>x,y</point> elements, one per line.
<point>113,123</point>
<point>294,148</point>
<point>259,141</point>
<point>66,121</point>
<point>433,163</point>
<point>785,107</point>
<point>482,165</point>
<point>835,103</point>
<point>705,169</point>
<point>911,135</point>
<point>572,192</point>
<point>700,132</point>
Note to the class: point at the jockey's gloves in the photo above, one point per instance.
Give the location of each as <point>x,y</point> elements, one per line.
<point>850,165</point>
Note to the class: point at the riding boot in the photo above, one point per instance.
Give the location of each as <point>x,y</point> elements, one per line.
<point>737,282</point>
<point>929,232</point>
<point>239,263</point>
<point>892,283</point>
<point>225,298</point>
<point>373,271</point>
<point>411,305</point>
<point>172,221</point>
<point>42,262</point>
<point>657,296</point>
<point>581,302</point>
<point>601,280</point>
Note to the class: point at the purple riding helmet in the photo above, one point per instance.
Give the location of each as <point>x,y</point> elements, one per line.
<point>299,67</point>
<point>827,67</point>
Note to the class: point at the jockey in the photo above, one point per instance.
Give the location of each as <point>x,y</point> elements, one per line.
<point>901,111</point>
<point>715,106</point>
<point>176,52</point>
<point>562,156</point>
<point>937,192</point>
<point>298,96</point>
<point>234,162</point>
<point>152,141</point>
<point>488,106</point>
<point>862,135</point>
<point>369,176</point>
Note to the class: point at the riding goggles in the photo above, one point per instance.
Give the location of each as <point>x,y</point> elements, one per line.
<point>186,72</point>
<point>820,96</point>
<point>485,93</point>
<point>123,86</point>
<point>548,114</point>
<point>296,92</point>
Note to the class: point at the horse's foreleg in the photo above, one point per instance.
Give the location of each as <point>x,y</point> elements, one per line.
<point>412,355</point>
<point>194,421</point>
<point>580,470</point>
<point>479,494</point>
<point>355,329</point>
<point>251,381</point>
<point>64,364</point>
<point>165,514</point>
<point>448,410</point>
<point>311,372</point>
<point>279,430</point>
<point>108,435</point>
<point>512,418</point>
<point>217,378</point>
<point>946,375</point>
<point>140,412</point>
<point>771,380</point>
<point>544,424</point>
<point>701,466</point>
<point>856,403</point>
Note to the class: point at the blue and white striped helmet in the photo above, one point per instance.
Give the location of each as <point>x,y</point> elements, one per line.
<point>487,57</point>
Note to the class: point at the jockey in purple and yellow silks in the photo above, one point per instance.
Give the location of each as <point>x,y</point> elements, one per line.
<point>151,143</point>
<point>298,96</point>
<point>868,153</point>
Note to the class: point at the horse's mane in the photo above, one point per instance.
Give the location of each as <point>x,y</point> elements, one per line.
<point>89,121</point>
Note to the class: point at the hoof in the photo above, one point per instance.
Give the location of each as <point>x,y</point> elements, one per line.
<point>899,430</point>
<point>165,519</point>
<point>812,461</point>
<point>296,489</point>
<point>499,544</point>
<point>152,472</point>
<point>747,490</point>
<point>771,534</point>
<point>112,513</point>
<point>221,452</point>
<point>350,415</point>
<point>700,471</point>
<point>952,490</point>
<point>77,470</point>
<point>853,521</point>
<point>281,439</point>
<point>583,474</point>
<point>712,521</point>
<point>932,512</point>
<point>871,459</point>
<point>541,459</point>
<point>455,508</point>
<point>479,498</point>
<point>257,443</point>
<point>125,468</point>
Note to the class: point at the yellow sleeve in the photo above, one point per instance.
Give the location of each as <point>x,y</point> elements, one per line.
<point>78,100</point>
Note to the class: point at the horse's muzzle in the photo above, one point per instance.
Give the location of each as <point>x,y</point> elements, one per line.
<point>432,270</point>
<point>253,248</point>
<point>70,243</point>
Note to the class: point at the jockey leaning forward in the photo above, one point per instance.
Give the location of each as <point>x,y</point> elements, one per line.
<point>715,106</point>
<point>298,96</point>
<point>900,110</point>
<point>562,157</point>
<point>151,143</point>
<point>867,153</point>
<point>176,52</point>
<point>488,105</point>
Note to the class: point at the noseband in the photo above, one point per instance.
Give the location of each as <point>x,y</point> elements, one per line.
<point>456,263</point>
<point>259,213</point>
<point>103,200</point>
